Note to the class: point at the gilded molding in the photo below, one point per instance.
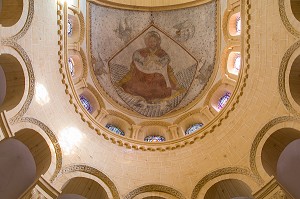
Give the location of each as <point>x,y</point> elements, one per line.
<point>220,172</point>
<point>258,139</point>
<point>82,27</point>
<point>285,19</point>
<point>281,78</point>
<point>84,61</point>
<point>55,143</point>
<point>92,171</point>
<point>154,188</point>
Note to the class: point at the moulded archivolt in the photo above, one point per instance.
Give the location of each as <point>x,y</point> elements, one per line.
<point>80,170</point>
<point>288,18</point>
<point>18,29</point>
<point>267,130</point>
<point>283,78</point>
<point>216,176</point>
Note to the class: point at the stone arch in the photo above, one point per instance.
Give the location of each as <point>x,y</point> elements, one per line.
<point>279,157</point>
<point>295,5</point>
<point>234,173</point>
<point>229,188</point>
<point>294,82</point>
<point>154,189</point>
<point>13,82</point>
<point>11,12</point>
<point>81,187</point>
<point>80,170</point>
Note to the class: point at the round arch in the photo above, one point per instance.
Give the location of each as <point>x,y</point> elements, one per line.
<point>12,78</point>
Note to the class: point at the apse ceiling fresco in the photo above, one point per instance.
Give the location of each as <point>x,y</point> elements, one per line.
<point>152,63</point>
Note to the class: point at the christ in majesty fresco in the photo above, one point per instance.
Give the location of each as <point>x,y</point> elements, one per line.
<point>150,75</point>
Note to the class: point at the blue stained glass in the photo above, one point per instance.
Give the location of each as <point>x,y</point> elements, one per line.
<point>71,66</point>
<point>154,138</point>
<point>114,129</point>
<point>70,27</point>
<point>86,103</point>
<point>223,100</point>
<point>238,24</point>
<point>193,128</point>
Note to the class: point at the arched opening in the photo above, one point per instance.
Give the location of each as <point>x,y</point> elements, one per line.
<point>295,4</point>
<point>11,11</point>
<point>280,155</point>
<point>73,27</point>
<point>234,62</point>
<point>154,133</point>
<point>81,188</point>
<point>235,24</point>
<point>23,159</point>
<point>13,80</point>
<point>75,65</point>
<point>229,189</point>
<point>294,80</point>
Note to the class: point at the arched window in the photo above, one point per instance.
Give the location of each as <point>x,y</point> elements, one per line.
<point>114,129</point>
<point>223,100</point>
<point>154,138</point>
<point>71,66</point>
<point>235,24</point>
<point>238,25</point>
<point>70,28</point>
<point>86,103</point>
<point>237,62</point>
<point>193,128</point>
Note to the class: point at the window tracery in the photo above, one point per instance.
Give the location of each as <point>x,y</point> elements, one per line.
<point>154,138</point>
<point>86,103</point>
<point>115,129</point>
<point>193,128</point>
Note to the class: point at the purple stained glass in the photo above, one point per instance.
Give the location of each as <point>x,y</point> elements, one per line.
<point>114,129</point>
<point>86,103</point>
<point>71,66</point>
<point>193,128</point>
<point>223,100</point>
<point>154,138</point>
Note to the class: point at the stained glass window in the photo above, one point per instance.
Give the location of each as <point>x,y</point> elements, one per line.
<point>237,62</point>
<point>193,128</point>
<point>70,27</point>
<point>238,25</point>
<point>71,66</point>
<point>154,138</point>
<point>86,103</point>
<point>223,100</point>
<point>114,129</point>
